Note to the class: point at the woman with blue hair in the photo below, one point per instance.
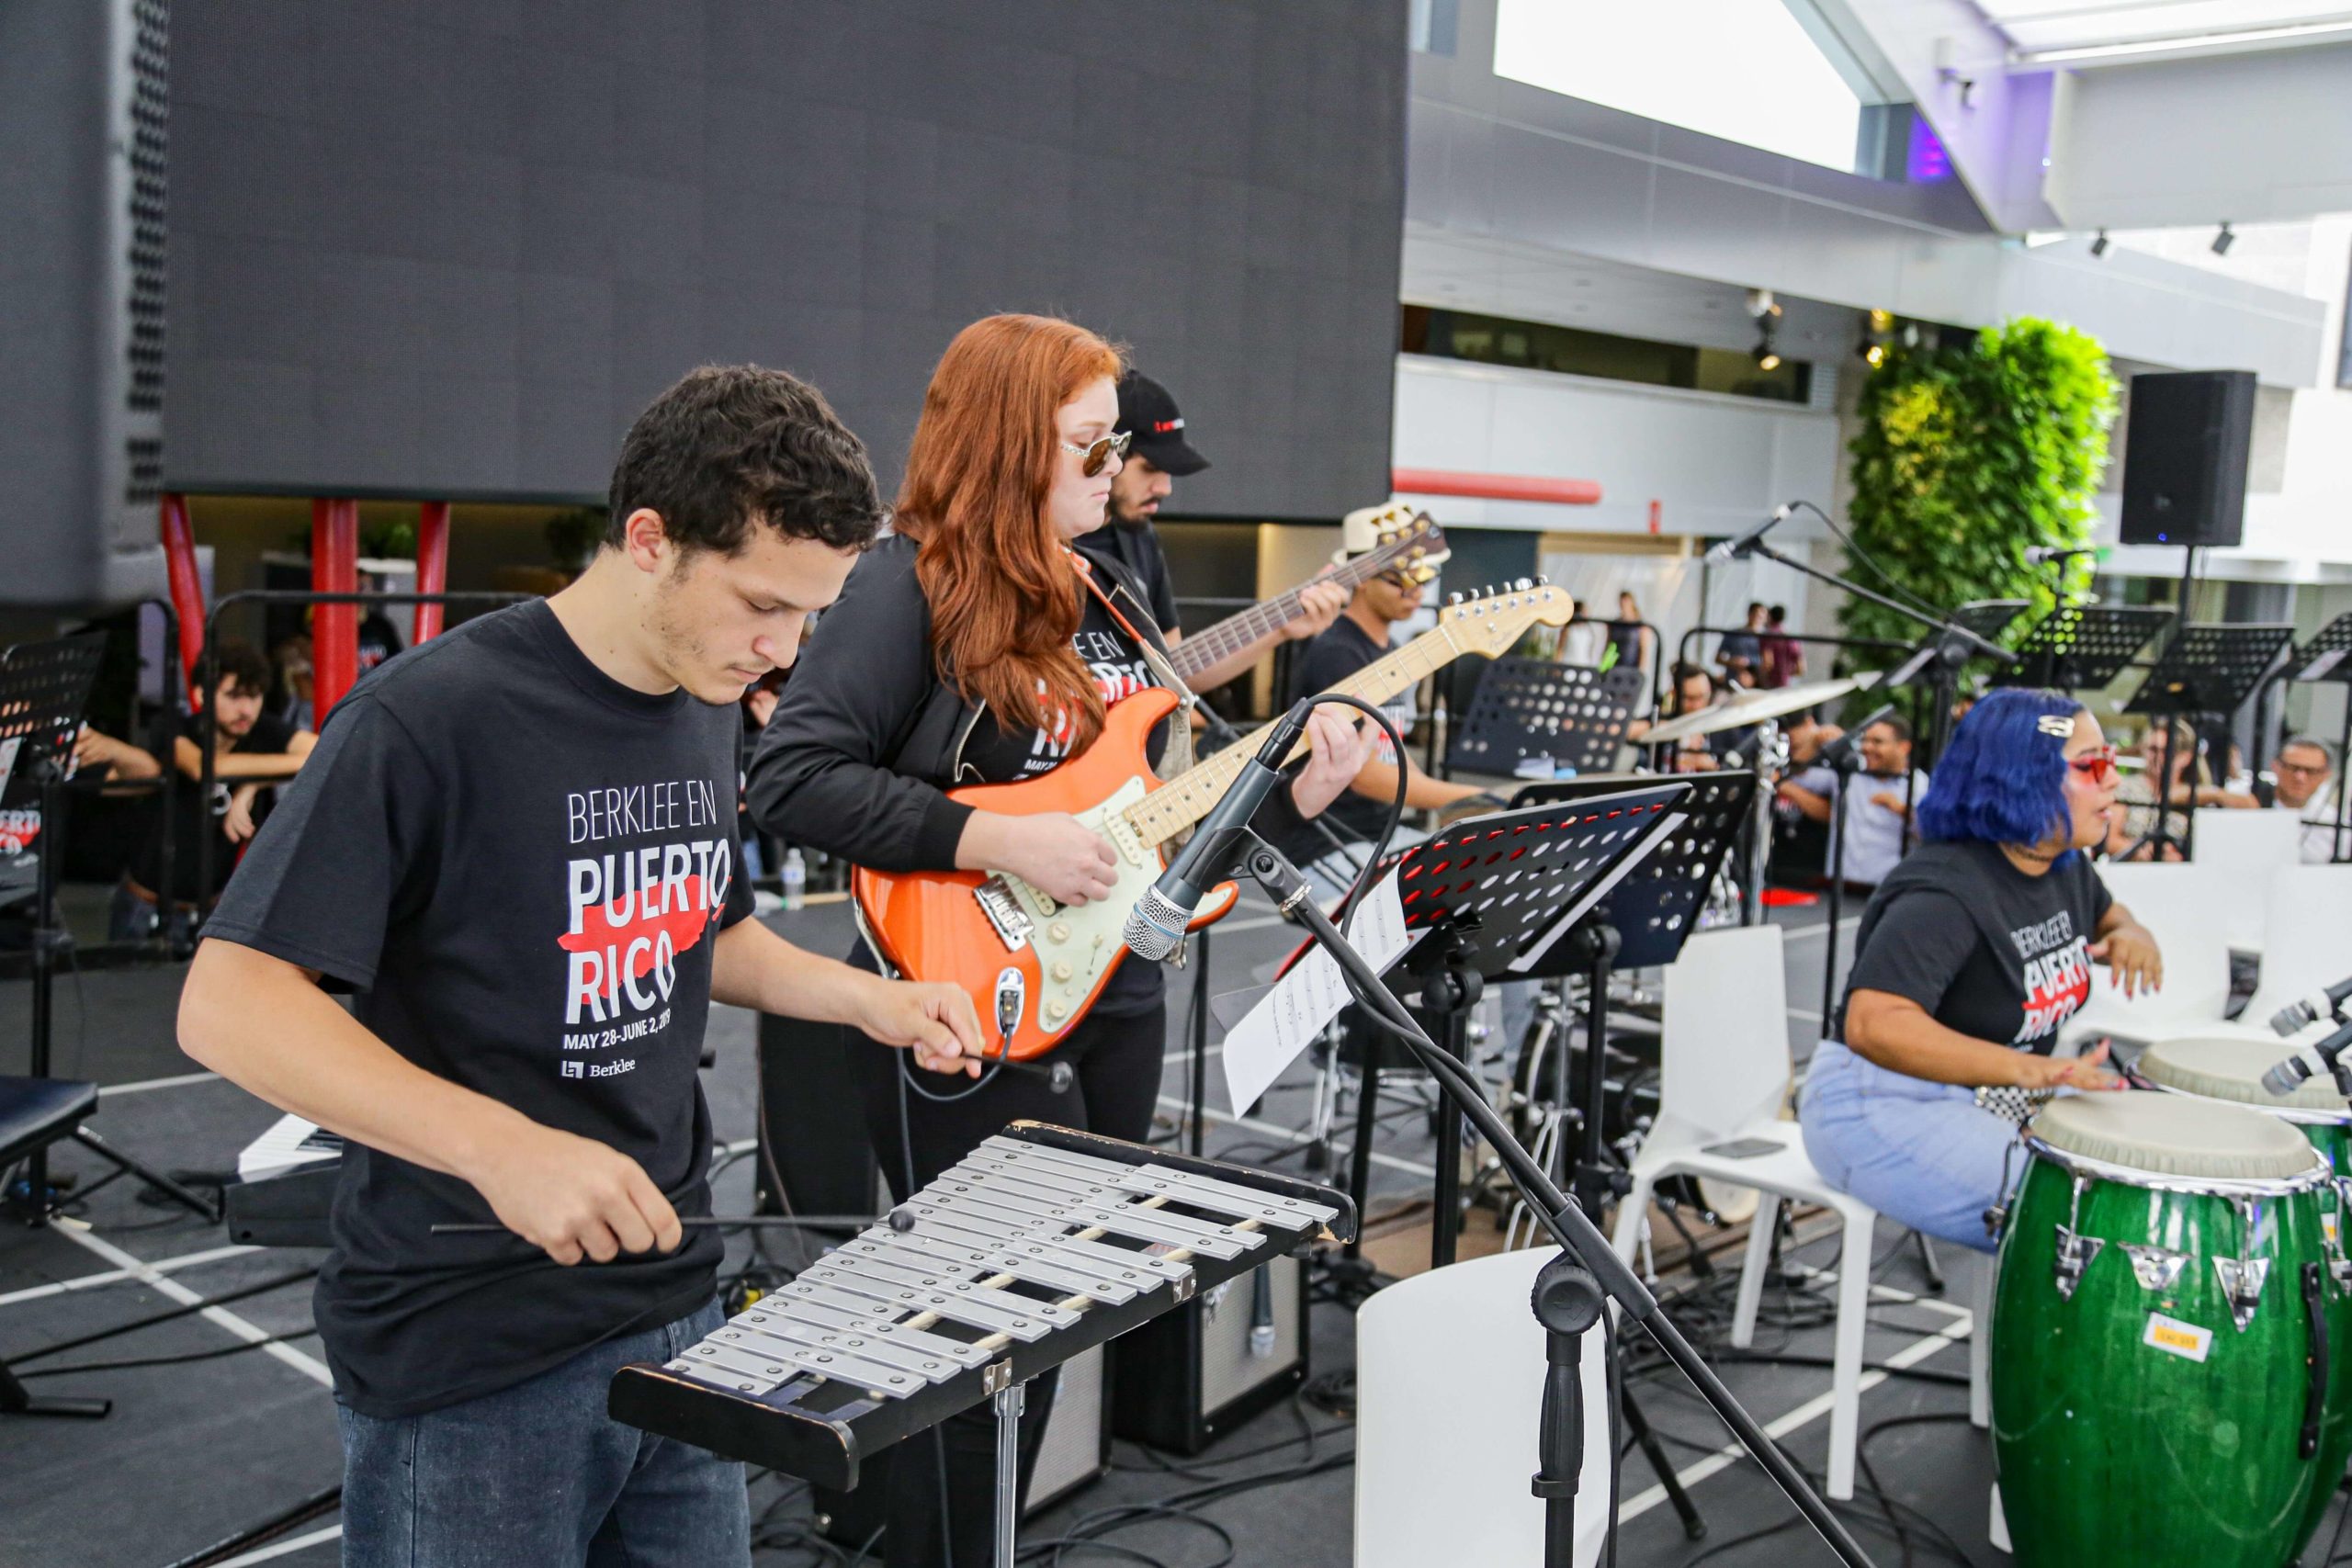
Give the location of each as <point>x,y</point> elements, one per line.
<point>1971,956</point>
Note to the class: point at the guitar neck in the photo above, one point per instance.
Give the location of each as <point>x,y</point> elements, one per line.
<point>1193,794</point>
<point>1235,633</point>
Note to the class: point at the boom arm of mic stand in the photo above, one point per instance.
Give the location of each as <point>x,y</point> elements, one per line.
<point>1976,643</point>
<point>1569,1225</point>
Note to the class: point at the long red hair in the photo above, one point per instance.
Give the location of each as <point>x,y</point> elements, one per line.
<point>1004,604</point>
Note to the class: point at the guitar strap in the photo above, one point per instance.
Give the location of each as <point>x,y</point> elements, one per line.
<point>1179,754</point>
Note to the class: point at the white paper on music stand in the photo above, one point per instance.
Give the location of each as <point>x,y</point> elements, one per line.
<point>1262,1044</point>
<point>1669,823</point>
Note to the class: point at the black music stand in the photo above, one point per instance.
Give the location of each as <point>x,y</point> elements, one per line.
<point>1492,895</point>
<point>44,686</point>
<point>2328,656</point>
<point>1572,1291</point>
<point>2205,669</point>
<point>1988,618</point>
<point>2079,647</point>
<point>1575,714</point>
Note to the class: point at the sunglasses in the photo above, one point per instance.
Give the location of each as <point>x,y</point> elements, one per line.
<point>1098,456</point>
<point>2097,766</point>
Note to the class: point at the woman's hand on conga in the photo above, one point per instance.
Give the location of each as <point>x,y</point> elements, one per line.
<point>2130,953</point>
<point>2088,1072</point>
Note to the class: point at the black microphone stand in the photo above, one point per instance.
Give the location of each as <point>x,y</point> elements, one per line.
<point>1571,1290</point>
<point>1839,755</point>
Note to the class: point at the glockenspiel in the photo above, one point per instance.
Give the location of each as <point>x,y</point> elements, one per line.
<point>1040,1244</point>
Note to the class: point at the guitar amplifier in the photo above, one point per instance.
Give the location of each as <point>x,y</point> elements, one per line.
<point>1186,1377</point>
<point>1076,1450</point>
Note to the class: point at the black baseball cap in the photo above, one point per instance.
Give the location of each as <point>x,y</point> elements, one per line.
<point>1149,413</point>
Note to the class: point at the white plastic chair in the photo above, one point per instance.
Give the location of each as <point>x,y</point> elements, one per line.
<point>2188,909</point>
<point>2246,847</point>
<point>1724,1077</point>
<point>2306,946</point>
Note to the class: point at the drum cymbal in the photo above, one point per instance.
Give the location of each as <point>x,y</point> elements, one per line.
<point>1755,707</point>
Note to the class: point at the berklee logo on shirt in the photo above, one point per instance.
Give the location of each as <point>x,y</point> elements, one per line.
<point>2057,974</point>
<point>18,827</point>
<point>633,911</point>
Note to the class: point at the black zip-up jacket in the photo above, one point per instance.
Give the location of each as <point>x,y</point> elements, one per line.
<point>866,739</point>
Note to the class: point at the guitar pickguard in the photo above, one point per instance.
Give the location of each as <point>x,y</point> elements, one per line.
<point>1075,946</point>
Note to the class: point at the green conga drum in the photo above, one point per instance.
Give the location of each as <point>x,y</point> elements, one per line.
<point>2232,1070</point>
<point>2160,1350</point>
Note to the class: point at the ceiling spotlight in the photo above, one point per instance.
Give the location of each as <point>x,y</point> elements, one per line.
<point>1876,355</point>
<point>1767,357</point>
<point>2098,246</point>
<point>1882,319</point>
<point>1761,304</point>
<point>2224,240</point>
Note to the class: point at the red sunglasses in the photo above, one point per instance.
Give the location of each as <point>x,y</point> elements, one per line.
<point>2097,766</point>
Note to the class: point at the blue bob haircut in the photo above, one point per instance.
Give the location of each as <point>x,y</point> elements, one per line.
<point>2003,779</point>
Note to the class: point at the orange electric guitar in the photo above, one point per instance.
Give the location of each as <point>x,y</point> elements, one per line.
<point>1024,957</point>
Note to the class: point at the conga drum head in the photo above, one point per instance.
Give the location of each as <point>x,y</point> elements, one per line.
<point>2233,1070</point>
<point>2163,1136</point>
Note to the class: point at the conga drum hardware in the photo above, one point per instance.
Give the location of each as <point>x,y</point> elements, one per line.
<point>2156,1268</point>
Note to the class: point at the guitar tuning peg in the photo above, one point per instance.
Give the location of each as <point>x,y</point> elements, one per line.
<point>1523,584</point>
<point>1452,600</point>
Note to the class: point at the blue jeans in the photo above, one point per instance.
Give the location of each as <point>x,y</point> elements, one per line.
<point>539,1475</point>
<point>1922,1154</point>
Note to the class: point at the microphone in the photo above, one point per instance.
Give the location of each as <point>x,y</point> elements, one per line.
<point>1732,549</point>
<point>2036,555</point>
<point>2312,1008</point>
<point>2284,1078</point>
<point>1157,923</point>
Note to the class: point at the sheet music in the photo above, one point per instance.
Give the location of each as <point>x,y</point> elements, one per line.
<point>290,1144</point>
<point>1269,1039</point>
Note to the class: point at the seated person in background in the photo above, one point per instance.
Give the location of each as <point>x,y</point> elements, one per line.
<point>250,751</point>
<point>1695,689</point>
<point>2127,834</point>
<point>2304,771</point>
<point>1971,956</point>
<point>1877,817</point>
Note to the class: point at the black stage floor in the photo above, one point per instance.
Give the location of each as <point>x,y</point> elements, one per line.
<point>197,1450</point>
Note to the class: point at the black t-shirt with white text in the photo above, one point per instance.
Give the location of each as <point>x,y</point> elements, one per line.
<point>1135,549</point>
<point>1335,653</point>
<point>1983,948</point>
<point>521,866</point>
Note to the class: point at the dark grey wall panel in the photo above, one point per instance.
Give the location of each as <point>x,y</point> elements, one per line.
<point>451,246</point>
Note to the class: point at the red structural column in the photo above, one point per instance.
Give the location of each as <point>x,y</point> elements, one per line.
<point>334,628</point>
<point>1495,486</point>
<point>186,583</point>
<point>432,563</point>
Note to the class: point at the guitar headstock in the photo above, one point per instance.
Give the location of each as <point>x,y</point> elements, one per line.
<point>1409,542</point>
<point>1493,620</point>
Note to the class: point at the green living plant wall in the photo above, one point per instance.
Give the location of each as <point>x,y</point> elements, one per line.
<point>1966,458</point>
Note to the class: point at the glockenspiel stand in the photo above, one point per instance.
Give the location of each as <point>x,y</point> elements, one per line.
<point>1562,1303</point>
<point>1007,1402</point>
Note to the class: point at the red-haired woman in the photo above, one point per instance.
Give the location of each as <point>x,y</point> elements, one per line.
<point>967,647</point>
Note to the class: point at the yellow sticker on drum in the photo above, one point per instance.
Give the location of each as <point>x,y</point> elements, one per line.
<point>2327,1224</point>
<point>2176,1337</point>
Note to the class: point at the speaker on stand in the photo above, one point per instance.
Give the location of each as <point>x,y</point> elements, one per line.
<point>2187,444</point>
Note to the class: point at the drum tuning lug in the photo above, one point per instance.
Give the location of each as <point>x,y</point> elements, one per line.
<point>2156,1268</point>
<point>2241,1280</point>
<point>1995,1219</point>
<point>2075,1254</point>
<point>2339,1269</point>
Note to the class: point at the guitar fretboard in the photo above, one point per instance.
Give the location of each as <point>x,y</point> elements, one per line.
<point>1193,794</point>
<point>1233,633</point>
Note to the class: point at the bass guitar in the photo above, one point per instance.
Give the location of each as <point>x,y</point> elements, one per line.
<point>1406,546</point>
<point>1033,967</point>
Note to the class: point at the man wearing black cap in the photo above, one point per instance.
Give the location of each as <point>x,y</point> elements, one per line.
<point>1158,456</point>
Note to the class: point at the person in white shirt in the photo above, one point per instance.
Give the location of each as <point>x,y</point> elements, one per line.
<point>1877,814</point>
<point>2305,772</point>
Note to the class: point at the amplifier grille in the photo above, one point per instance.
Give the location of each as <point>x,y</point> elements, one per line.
<point>146,231</point>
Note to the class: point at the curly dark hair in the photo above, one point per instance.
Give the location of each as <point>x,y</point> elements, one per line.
<point>240,664</point>
<point>731,445</point>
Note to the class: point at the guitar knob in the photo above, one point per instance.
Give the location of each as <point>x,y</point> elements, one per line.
<point>1059,931</point>
<point>1062,971</point>
<point>1055,1008</point>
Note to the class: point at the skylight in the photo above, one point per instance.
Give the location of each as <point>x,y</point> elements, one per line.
<point>2056,31</point>
<point>1743,70</point>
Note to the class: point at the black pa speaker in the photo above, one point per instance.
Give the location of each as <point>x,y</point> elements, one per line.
<point>2185,458</point>
<point>84,118</point>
